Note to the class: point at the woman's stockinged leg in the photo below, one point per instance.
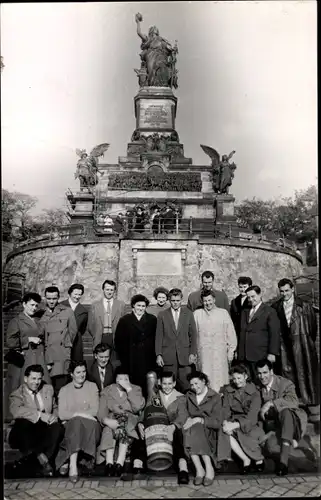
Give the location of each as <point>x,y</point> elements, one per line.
<point>200,472</point>
<point>122,450</point>
<point>110,456</point>
<point>209,469</point>
<point>239,452</point>
<point>73,470</point>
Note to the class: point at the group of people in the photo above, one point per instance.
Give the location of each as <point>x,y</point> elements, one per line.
<point>232,378</point>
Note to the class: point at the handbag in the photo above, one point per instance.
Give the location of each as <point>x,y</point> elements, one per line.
<point>15,358</point>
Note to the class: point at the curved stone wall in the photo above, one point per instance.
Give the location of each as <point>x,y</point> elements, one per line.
<point>91,263</point>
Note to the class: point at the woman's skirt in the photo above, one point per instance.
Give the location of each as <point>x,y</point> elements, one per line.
<point>250,442</point>
<point>196,441</point>
<point>81,434</point>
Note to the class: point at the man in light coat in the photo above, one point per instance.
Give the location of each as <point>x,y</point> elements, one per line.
<point>36,430</point>
<point>59,327</point>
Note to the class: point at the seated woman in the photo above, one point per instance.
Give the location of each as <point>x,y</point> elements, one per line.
<point>78,404</point>
<point>240,430</point>
<point>119,408</point>
<point>200,417</point>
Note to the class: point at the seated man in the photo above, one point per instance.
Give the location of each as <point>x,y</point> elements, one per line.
<point>101,371</point>
<point>170,400</point>
<point>284,422</point>
<point>36,431</point>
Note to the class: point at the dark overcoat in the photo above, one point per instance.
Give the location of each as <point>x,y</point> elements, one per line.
<point>299,360</point>
<point>135,346</point>
<point>81,315</point>
<point>236,311</point>
<point>260,336</point>
<point>242,406</point>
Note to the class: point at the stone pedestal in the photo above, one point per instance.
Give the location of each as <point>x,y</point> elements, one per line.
<point>81,207</point>
<point>224,205</point>
<point>155,109</point>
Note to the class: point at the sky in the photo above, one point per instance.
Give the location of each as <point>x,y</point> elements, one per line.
<point>247,82</point>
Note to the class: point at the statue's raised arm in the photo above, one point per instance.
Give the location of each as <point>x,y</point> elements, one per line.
<point>138,20</point>
<point>230,155</point>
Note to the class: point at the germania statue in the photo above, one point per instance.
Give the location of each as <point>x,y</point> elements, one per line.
<point>158,59</point>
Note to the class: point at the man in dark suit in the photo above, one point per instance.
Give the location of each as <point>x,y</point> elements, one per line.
<point>195,300</point>
<point>240,302</point>
<point>175,342</point>
<point>75,293</point>
<point>259,333</point>
<point>101,371</point>
<point>104,316</point>
<point>36,430</point>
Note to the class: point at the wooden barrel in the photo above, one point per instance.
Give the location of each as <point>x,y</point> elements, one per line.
<point>159,447</point>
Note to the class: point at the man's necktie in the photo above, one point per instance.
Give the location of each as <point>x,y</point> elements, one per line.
<point>176,313</point>
<point>251,313</point>
<point>109,314</point>
<point>36,401</point>
<point>102,377</point>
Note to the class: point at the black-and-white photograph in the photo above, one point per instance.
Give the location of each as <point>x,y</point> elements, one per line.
<point>160,255</point>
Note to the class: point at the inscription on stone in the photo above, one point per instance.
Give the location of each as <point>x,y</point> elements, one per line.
<point>159,262</point>
<point>155,113</point>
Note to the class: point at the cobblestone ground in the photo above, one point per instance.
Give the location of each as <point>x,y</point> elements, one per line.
<point>264,487</point>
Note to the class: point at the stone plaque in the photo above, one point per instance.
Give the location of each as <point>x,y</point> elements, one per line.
<point>155,113</point>
<point>228,209</point>
<point>159,262</point>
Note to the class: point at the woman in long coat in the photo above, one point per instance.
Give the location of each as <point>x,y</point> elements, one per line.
<point>135,341</point>
<point>24,338</point>
<point>216,340</point>
<point>78,404</point>
<point>75,292</point>
<point>240,429</point>
<point>200,417</point>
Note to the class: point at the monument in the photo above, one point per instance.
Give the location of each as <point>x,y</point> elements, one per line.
<point>155,188</point>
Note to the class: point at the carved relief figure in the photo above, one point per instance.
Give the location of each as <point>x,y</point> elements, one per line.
<point>223,170</point>
<point>158,58</point>
<point>87,166</point>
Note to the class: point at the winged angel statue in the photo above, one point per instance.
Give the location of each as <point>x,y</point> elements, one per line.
<point>87,166</point>
<point>223,170</point>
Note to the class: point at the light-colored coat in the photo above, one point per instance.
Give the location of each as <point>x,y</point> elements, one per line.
<point>60,329</point>
<point>216,344</point>
<point>22,404</point>
<point>19,330</point>
<point>96,319</point>
<point>170,342</point>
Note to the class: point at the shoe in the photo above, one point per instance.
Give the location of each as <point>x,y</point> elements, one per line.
<point>182,477</point>
<point>118,470</point>
<point>63,471</point>
<point>207,481</point>
<point>47,470</point>
<point>138,472</point>
<point>259,467</point>
<point>109,470</point>
<point>198,480</point>
<point>281,469</point>
<point>246,469</point>
<point>74,478</point>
